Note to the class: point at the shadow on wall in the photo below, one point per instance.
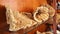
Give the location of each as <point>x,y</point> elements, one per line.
<point>2,14</point>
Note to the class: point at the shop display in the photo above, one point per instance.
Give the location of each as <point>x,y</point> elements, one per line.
<point>29,16</point>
